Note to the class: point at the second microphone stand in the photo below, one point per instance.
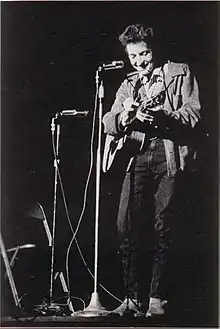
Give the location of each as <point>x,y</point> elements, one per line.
<point>51,307</point>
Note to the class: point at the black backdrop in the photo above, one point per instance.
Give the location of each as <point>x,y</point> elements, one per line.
<point>50,52</point>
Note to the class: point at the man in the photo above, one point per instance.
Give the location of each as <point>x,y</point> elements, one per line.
<point>157,109</point>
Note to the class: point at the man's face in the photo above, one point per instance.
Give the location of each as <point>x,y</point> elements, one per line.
<point>140,56</point>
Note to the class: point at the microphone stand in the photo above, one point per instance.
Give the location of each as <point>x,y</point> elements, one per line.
<point>53,307</point>
<point>95,309</point>
<point>56,162</point>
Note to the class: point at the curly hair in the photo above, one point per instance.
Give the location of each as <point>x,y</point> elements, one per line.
<point>136,33</point>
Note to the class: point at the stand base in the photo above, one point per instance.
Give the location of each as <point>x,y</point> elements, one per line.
<point>49,309</point>
<point>94,309</point>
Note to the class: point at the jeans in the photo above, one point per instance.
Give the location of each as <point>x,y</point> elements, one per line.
<point>146,209</point>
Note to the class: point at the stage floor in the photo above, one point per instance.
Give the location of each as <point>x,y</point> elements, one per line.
<point>71,321</point>
<point>172,318</point>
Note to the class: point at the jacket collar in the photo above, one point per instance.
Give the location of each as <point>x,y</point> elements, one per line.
<point>170,69</point>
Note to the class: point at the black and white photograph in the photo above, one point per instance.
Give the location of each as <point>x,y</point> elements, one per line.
<point>109,164</point>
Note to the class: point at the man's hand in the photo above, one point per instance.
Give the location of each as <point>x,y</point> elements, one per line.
<point>155,118</point>
<point>146,116</point>
<point>128,114</point>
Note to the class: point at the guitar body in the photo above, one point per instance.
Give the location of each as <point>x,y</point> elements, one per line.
<point>112,146</point>
<point>131,143</point>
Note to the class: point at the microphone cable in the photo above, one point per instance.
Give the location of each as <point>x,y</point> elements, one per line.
<point>82,211</point>
<point>84,201</point>
<point>68,217</point>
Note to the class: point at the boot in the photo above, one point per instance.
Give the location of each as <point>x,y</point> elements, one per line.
<point>128,305</point>
<point>156,307</point>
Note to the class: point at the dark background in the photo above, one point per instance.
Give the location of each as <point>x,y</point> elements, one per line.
<point>50,53</point>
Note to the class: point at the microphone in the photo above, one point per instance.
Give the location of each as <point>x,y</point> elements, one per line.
<point>74,112</point>
<point>114,65</point>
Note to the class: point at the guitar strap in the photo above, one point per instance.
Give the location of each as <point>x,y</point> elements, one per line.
<point>136,89</point>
